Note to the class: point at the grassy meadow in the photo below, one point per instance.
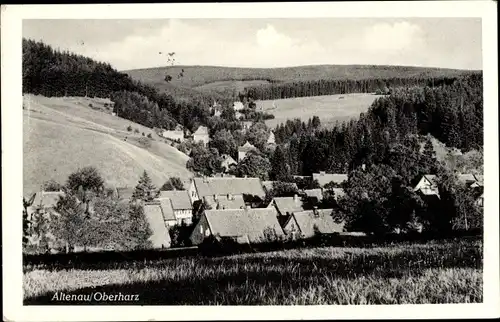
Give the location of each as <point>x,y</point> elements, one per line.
<point>62,134</point>
<point>329,108</point>
<point>433,272</point>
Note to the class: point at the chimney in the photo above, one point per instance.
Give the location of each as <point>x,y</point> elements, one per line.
<point>322,173</point>
<point>315,211</point>
<point>363,167</point>
<point>247,207</point>
<point>295,198</point>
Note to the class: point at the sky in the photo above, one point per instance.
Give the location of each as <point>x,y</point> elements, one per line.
<point>133,44</point>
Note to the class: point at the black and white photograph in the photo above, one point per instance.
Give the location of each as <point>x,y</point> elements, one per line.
<point>179,156</point>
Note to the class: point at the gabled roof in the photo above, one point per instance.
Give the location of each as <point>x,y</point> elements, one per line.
<point>325,178</point>
<point>223,186</point>
<point>246,147</point>
<point>223,202</point>
<point>250,223</point>
<point>154,216</point>
<point>202,130</point>
<point>228,159</point>
<point>180,199</point>
<point>314,193</point>
<point>308,220</point>
<point>166,209</point>
<point>47,199</point>
<point>288,204</point>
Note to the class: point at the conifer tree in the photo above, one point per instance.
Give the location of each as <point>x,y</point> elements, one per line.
<point>145,189</point>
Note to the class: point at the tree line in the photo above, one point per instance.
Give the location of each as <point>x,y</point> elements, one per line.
<point>331,87</point>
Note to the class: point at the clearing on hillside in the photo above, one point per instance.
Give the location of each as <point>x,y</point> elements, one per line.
<point>62,134</point>
<point>329,108</point>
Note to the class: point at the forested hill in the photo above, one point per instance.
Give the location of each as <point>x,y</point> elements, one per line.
<point>276,83</point>
<point>51,72</point>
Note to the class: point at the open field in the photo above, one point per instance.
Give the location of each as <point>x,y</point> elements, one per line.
<point>329,108</point>
<point>434,272</point>
<point>63,134</point>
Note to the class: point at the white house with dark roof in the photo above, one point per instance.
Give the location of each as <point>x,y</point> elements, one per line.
<point>244,149</point>
<point>249,225</point>
<point>427,185</point>
<point>201,134</point>
<point>47,200</point>
<point>324,178</point>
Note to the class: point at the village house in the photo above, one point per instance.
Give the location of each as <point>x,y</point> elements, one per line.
<point>244,149</point>
<point>238,106</point>
<point>244,226</point>
<point>427,185</point>
<point>238,115</point>
<point>306,224</point>
<point>227,162</point>
<point>216,109</point>
<point>181,205</point>
<point>271,140</point>
<point>247,125</point>
<point>225,187</point>
<point>201,134</point>
<point>160,237</point>
<point>287,205</point>
<point>325,178</point>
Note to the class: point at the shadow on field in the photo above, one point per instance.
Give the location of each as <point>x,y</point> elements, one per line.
<point>243,286</point>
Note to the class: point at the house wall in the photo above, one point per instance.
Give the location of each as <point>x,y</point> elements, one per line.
<point>292,229</point>
<point>241,155</point>
<point>427,188</point>
<point>185,215</point>
<point>204,138</point>
<point>170,223</point>
<point>200,231</point>
<point>193,194</point>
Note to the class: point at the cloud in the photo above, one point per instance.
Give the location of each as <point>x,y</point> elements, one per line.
<point>389,39</point>
<point>268,38</point>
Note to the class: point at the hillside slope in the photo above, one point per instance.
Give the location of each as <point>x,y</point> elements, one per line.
<point>62,134</point>
<point>223,77</point>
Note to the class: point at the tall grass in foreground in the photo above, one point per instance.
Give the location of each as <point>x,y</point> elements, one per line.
<point>449,272</point>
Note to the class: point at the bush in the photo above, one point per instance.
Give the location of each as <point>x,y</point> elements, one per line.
<point>129,128</point>
<point>136,131</point>
<point>150,136</point>
<point>142,133</point>
<point>106,105</point>
<point>90,105</point>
